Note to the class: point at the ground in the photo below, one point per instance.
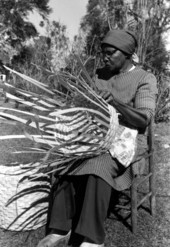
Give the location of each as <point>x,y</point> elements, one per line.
<point>151,231</point>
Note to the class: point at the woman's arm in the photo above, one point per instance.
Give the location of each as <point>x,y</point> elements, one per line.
<point>135,117</point>
<point>144,103</point>
<point>138,118</point>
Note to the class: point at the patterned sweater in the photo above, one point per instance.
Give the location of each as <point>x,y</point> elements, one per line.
<point>137,88</point>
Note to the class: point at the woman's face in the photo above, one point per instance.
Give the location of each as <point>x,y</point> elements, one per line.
<point>114,60</point>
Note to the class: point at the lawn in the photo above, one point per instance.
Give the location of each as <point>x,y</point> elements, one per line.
<point>151,232</point>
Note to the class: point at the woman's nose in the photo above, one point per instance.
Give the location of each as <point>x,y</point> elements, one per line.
<point>105,58</point>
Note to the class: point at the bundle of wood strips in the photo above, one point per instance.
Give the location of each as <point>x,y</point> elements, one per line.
<point>71,125</point>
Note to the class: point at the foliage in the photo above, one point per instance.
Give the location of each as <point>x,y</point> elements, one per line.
<point>149,30</point>
<point>34,59</point>
<point>163,100</point>
<point>6,50</point>
<point>59,45</point>
<point>42,56</point>
<point>95,22</point>
<point>145,18</point>
<point>15,27</point>
<point>148,19</point>
<point>78,47</point>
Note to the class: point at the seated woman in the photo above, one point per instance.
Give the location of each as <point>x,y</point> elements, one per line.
<point>82,195</point>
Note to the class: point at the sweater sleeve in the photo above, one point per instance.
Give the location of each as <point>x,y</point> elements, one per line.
<point>146,95</point>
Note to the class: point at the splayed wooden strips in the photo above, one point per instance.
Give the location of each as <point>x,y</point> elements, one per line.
<point>24,102</point>
<point>31,80</point>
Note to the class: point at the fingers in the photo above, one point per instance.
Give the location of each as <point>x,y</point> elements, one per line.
<point>104,94</point>
<point>109,99</point>
<point>107,96</point>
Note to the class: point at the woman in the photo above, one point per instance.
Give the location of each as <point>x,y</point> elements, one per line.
<point>82,194</point>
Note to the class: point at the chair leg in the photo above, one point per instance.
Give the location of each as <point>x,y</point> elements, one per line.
<point>134,207</point>
<point>153,195</point>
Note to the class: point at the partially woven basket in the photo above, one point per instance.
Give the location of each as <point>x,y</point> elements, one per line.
<point>73,125</point>
<point>24,202</point>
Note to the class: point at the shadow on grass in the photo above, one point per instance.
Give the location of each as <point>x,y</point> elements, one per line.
<point>120,207</point>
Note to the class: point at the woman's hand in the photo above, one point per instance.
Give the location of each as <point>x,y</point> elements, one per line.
<point>134,117</point>
<point>107,96</point>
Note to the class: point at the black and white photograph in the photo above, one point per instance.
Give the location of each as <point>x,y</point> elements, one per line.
<point>85,123</point>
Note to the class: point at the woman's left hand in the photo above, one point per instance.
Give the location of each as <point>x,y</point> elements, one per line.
<point>107,96</point>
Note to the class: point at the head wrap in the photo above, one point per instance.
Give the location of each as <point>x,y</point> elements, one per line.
<point>123,40</point>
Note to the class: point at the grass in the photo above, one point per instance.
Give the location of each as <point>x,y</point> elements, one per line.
<point>151,231</point>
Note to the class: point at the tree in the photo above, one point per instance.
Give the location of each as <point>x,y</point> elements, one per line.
<point>43,57</point>
<point>149,19</point>
<point>95,23</point>
<point>59,48</point>
<point>34,60</point>
<point>14,25</point>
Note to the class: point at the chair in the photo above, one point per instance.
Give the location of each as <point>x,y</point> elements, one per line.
<point>139,179</point>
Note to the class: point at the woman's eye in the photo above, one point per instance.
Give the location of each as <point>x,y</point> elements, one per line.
<point>108,53</point>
